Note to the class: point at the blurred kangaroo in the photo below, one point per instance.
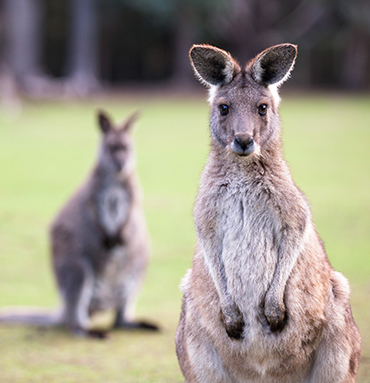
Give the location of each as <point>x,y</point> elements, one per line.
<point>261,302</point>
<point>100,245</point>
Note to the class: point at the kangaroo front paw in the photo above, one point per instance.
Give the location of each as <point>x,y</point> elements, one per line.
<point>276,317</point>
<point>233,321</point>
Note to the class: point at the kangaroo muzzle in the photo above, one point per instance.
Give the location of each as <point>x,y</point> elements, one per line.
<point>243,144</point>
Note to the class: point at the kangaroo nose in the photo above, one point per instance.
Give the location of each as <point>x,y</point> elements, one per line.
<point>243,144</point>
<point>244,140</point>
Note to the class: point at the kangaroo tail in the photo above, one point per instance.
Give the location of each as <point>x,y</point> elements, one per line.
<point>29,315</point>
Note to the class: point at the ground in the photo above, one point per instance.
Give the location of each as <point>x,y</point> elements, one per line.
<point>46,152</point>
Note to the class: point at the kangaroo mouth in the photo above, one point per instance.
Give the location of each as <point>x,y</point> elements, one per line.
<point>119,166</point>
<point>244,154</point>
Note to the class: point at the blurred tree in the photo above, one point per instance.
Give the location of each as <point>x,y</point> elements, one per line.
<point>355,41</point>
<point>249,26</point>
<point>22,37</point>
<point>133,47</point>
<point>57,31</point>
<point>82,60</point>
<point>84,42</point>
<point>185,19</point>
<point>333,36</point>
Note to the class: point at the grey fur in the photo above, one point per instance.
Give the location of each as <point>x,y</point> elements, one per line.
<point>261,302</point>
<point>99,240</point>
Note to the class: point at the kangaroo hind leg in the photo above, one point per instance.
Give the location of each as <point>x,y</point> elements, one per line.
<point>337,357</point>
<point>76,281</point>
<point>124,316</point>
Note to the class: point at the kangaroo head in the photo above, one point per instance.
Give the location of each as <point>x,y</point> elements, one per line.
<point>116,152</point>
<point>244,101</point>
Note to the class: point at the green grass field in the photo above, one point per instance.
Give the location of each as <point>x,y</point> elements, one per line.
<point>46,153</point>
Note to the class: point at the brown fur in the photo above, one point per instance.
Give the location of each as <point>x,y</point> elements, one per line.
<point>99,241</point>
<point>261,302</point>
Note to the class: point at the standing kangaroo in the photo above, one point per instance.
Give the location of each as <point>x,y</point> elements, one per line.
<point>100,244</point>
<point>261,302</point>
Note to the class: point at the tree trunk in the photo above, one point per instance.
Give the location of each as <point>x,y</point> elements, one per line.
<point>356,61</point>
<point>183,38</point>
<point>247,27</point>
<point>82,65</point>
<point>22,20</point>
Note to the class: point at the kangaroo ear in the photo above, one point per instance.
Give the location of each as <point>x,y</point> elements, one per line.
<point>104,122</point>
<point>273,65</point>
<point>212,66</point>
<point>129,123</point>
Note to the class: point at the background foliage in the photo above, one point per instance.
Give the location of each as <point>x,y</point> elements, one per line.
<point>49,47</point>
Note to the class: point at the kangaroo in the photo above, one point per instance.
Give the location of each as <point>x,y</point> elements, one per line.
<point>99,240</point>
<point>261,302</point>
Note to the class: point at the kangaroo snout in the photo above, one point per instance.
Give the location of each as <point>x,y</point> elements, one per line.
<point>243,144</point>
<point>119,162</point>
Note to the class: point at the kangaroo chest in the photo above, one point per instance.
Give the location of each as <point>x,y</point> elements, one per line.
<point>113,208</point>
<point>247,225</point>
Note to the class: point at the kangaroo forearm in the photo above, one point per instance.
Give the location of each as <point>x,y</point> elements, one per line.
<point>274,306</point>
<point>216,268</point>
<point>231,315</point>
<point>292,245</point>
<point>286,262</point>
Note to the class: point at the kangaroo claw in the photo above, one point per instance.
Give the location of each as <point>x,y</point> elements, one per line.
<point>233,321</point>
<point>276,318</point>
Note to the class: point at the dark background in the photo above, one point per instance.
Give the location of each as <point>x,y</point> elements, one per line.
<point>53,47</point>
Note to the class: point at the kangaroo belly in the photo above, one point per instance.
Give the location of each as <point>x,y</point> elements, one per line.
<point>260,355</point>
<point>250,257</point>
<point>109,284</point>
<point>249,273</point>
<point>249,253</point>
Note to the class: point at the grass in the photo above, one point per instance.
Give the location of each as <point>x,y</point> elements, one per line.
<point>46,152</point>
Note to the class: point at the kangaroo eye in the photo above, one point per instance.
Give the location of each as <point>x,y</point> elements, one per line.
<point>224,109</point>
<point>262,109</point>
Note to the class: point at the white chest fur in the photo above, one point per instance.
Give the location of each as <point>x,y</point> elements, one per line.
<point>248,226</point>
<point>114,203</point>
